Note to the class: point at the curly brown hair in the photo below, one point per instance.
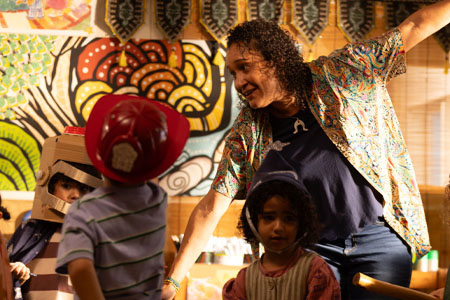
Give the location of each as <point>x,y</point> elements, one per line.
<point>280,51</point>
<point>300,202</point>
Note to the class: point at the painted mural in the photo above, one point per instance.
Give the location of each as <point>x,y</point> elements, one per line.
<point>49,82</point>
<point>34,16</point>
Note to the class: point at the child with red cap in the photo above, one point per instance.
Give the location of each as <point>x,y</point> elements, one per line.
<point>113,238</point>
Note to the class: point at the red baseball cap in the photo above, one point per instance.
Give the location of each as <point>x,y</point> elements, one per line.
<point>132,139</point>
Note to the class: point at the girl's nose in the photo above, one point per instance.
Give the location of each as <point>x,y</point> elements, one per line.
<point>277,225</point>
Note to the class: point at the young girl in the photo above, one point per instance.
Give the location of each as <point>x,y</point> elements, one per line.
<point>280,214</point>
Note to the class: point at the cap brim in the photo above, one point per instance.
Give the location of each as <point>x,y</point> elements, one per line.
<point>275,167</point>
<point>178,133</point>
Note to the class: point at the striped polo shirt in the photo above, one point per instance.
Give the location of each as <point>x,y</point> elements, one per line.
<point>122,231</point>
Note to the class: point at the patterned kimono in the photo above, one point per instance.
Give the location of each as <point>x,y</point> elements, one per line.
<point>351,104</point>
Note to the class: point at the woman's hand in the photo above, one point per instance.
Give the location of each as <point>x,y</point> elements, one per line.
<point>168,292</point>
<point>20,271</point>
<point>200,227</point>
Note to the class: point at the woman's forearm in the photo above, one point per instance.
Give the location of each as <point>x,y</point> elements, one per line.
<point>199,229</point>
<point>424,23</point>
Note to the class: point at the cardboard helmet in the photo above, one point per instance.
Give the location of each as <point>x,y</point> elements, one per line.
<point>133,139</point>
<point>63,154</point>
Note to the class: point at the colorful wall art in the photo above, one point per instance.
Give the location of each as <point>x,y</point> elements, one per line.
<point>50,82</point>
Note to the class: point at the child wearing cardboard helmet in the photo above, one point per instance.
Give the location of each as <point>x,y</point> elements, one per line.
<point>113,238</point>
<point>65,174</point>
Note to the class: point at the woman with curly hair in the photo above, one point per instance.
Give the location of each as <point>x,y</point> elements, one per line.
<point>280,214</point>
<point>334,120</point>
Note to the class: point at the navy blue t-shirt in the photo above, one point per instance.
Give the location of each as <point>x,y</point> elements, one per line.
<point>345,201</point>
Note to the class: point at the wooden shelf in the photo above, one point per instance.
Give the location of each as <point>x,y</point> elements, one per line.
<point>428,281</point>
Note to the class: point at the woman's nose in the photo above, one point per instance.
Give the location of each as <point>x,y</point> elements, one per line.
<point>239,82</point>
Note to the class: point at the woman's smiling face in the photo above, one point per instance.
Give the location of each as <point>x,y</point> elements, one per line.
<point>253,78</point>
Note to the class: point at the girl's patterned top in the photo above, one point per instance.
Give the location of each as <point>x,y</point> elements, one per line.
<point>320,282</point>
<point>351,103</point>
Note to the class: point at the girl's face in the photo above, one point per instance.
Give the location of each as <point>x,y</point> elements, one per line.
<point>254,79</point>
<point>70,191</point>
<point>277,224</point>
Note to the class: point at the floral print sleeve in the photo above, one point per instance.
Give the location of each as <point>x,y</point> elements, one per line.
<point>375,60</point>
<point>242,154</point>
<point>352,105</point>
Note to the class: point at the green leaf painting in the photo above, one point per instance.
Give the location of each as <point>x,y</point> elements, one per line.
<point>25,61</point>
<point>19,158</point>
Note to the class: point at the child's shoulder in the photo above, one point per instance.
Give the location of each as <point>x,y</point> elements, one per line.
<point>314,257</point>
<point>112,196</point>
<point>97,197</point>
<point>97,194</point>
<point>319,267</point>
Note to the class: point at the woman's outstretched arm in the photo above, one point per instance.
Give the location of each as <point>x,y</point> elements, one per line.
<point>201,225</point>
<point>424,23</point>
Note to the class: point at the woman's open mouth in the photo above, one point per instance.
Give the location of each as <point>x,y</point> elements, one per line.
<point>247,93</point>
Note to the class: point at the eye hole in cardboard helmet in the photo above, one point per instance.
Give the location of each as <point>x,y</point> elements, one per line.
<point>69,181</point>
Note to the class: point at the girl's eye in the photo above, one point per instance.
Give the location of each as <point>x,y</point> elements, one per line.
<point>66,185</point>
<point>290,219</point>
<point>267,217</point>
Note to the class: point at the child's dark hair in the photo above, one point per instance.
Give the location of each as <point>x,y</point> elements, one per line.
<point>60,176</point>
<point>300,202</point>
<point>4,211</point>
